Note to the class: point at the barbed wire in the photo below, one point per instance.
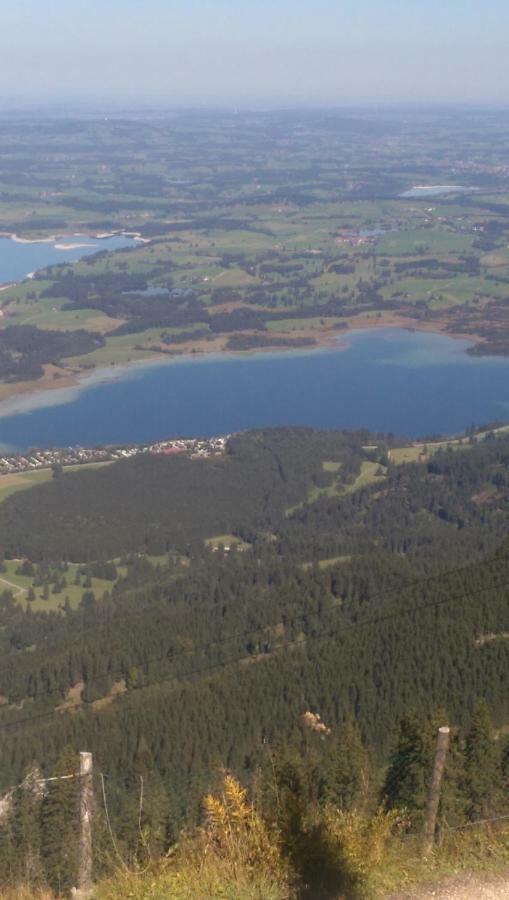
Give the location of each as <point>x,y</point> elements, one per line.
<point>28,783</point>
<point>108,824</point>
<point>474,823</point>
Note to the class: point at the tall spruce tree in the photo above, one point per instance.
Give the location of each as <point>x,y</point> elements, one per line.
<point>405,784</point>
<point>60,824</point>
<point>348,774</point>
<point>25,815</point>
<point>8,854</point>
<point>483,766</point>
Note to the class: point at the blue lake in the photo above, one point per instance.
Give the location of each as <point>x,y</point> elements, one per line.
<point>410,383</point>
<point>19,258</point>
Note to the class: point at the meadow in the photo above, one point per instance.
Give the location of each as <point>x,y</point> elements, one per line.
<point>252,227</point>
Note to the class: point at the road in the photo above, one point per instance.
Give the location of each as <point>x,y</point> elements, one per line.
<point>464,887</point>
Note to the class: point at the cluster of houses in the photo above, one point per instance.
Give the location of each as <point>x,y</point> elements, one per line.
<point>197,448</point>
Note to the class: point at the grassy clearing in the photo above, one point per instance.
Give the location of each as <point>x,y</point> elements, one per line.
<point>48,314</point>
<point>21,294</point>
<point>22,481</point>
<point>118,350</point>
<point>332,490</point>
<point>416,240</point>
<point>226,541</point>
<point>420,452</point>
<point>312,324</point>
<point>20,585</point>
<point>401,455</point>
<point>496,259</point>
<point>129,348</point>
<point>330,466</point>
<point>370,473</point>
<point>73,591</point>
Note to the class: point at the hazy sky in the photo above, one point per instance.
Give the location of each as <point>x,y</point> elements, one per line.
<point>255,52</point>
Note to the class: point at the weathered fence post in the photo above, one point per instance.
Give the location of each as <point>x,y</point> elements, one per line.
<point>430,820</point>
<point>86,815</point>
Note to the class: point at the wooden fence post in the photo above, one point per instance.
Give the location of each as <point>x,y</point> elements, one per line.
<point>430,820</point>
<point>86,815</point>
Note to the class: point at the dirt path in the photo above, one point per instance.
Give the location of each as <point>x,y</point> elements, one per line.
<point>464,887</point>
<point>17,589</point>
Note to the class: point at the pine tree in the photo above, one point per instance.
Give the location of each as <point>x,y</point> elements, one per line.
<point>26,826</point>
<point>8,856</point>
<point>483,769</point>
<point>144,817</point>
<point>406,778</point>
<point>349,769</point>
<point>60,816</point>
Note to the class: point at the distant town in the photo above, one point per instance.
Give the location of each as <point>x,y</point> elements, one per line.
<point>196,448</point>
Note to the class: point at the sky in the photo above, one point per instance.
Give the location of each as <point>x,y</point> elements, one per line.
<point>254,53</point>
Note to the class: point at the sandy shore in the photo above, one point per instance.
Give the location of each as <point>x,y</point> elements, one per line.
<point>20,240</point>
<point>54,238</point>
<point>72,246</point>
<point>59,386</point>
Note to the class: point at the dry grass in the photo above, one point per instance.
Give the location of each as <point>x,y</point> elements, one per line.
<point>25,892</point>
<point>232,856</point>
<point>459,852</point>
<point>236,856</point>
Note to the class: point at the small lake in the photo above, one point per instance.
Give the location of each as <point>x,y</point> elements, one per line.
<point>19,258</point>
<point>410,383</point>
<point>433,190</point>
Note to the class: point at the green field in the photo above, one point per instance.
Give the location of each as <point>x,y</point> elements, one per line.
<point>311,324</point>
<point>10,484</point>
<point>72,594</point>
<point>330,466</point>
<point>21,584</point>
<point>313,226</point>
<point>22,481</point>
<point>369,473</point>
<point>226,540</point>
<point>423,240</point>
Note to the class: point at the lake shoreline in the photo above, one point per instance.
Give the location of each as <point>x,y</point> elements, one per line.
<point>13,236</point>
<point>414,384</point>
<point>61,384</point>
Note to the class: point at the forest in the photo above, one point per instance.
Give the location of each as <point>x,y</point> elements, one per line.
<point>301,573</point>
<point>314,609</point>
<point>24,349</point>
<point>310,554</point>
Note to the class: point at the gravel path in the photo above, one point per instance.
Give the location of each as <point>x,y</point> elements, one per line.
<point>464,887</point>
